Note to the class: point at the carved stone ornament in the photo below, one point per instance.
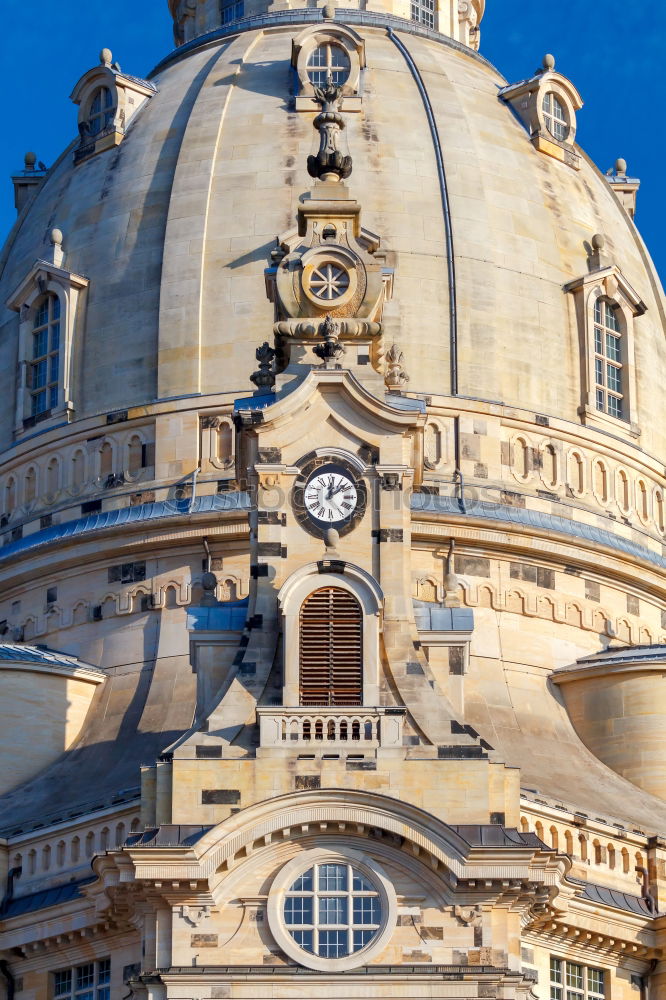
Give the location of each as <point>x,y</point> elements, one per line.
<point>470,916</point>
<point>331,349</point>
<point>396,376</point>
<point>264,377</point>
<point>195,915</point>
<point>330,162</point>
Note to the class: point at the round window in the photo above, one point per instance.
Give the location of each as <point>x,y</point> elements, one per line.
<point>327,60</point>
<point>330,277</point>
<point>555,117</point>
<point>333,912</point>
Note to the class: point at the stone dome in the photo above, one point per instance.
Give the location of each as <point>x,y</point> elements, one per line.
<point>160,222</point>
<point>174,228</point>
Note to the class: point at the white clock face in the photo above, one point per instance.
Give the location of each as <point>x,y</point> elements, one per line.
<point>330,496</point>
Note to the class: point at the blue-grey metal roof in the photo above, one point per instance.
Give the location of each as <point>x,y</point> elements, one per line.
<point>436,618</point>
<point>404,402</point>
<point>126,515</point>
<point>428,502</point>
<point>613,897</point>
<point>40,654</point>
<point>45,897</point>
<point>627,654</point>
<point>226,617</point>
<point>168,835</point>
<point>258,402</point>
<point>495,835</point>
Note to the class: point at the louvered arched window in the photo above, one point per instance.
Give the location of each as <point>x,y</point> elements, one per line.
<point>331,648</point>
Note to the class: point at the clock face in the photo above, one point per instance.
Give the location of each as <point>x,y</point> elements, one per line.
<point>330,496</point>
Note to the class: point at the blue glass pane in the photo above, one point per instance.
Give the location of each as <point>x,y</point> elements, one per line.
<point>614,381</point>
<point>39,403</point>
<point>55,307</point>
<point>53,374</point>
<point>42,314</point>
<point>39,342</point>
<point>85,976</point>
<point>333,944</point>
<point>367,910</point>
<point>303,938</point>
<point>612,347</point>
<point>303,883</point>
<point>39,374</point>
<point>361,884</point>
<point>298,910</point>
<point>53,396</point>
<point>55,336</point>
<point>332,909</point>
<point>332,878</point>
<point>361,938</point>
<point>63,982</point>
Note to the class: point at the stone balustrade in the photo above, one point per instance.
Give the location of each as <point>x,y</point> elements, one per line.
<point>339,728</point>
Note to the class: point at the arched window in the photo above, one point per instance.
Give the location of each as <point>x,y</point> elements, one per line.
<point>555,116</point>
<point>601,481</point>
<point>52,476</point>
<point>90,844</point>
<point>105,460</point>
<point>328,59</point>
<point>331,648</point>
<point>623,496</point>
<point>30,485</point>
<point>568,840</point>
<point>75,850</point>
<point>101,111</point>
<point>44,363</point>
<point>607,359</point>
<point>524,824</point>
<point>78,468</point>
<point>104,839</point>
<point>423,11</point>
<point>576,473</point>
<point>120,834</point>
<point>554,838</point>
<point>60,853</point>
<point>32,861</point>
<point>134,453</point>
<point>10,495</point>
<point>46,858</point>
<point>550,465</point>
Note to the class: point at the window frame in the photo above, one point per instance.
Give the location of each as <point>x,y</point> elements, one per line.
<point>47,279</point>
<point>282,889</point>
<point>424,12</point>
<point>605,362</point>
<point>563,989</point>
<point>105,115</point>
<point>293,593</point>
<point>45,356</point>
<point>318,36</point>
<point>98,989</point>
<point>608,283</point>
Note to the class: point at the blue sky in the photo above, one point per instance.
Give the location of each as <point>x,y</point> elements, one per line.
<point>612,51</point>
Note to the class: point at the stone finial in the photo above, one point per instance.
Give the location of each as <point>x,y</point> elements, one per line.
<point>548,63</point>
<point>331,539</point>
<point>598,257</point>
<point>55,253</point>
<point>209,584</point>
<point>264,377</point>
<point>328,12</point>
<point>29,161</point>
<point>106,57</point>
<point>396,377</point>
<point>330,163</point>
<point>621,166</point>
<point>331,349</point>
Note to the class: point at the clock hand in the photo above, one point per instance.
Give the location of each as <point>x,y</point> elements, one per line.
<point>345,486</point>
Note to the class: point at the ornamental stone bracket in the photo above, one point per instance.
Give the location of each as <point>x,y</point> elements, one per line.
<point>329,268</point>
